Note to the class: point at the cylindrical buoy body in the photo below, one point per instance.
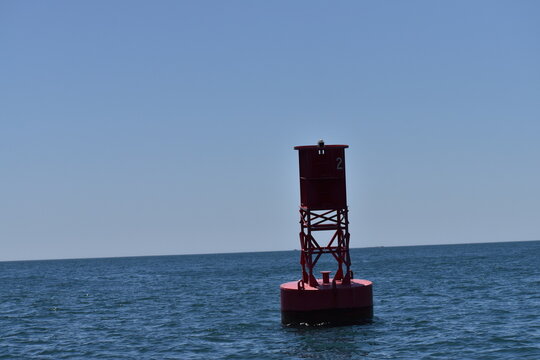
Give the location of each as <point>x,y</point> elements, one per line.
<point>327,304</point>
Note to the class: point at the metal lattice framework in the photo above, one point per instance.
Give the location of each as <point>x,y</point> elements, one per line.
<point>325,221</point>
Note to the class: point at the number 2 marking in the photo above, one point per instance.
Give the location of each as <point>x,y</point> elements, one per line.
<point>339,163</point>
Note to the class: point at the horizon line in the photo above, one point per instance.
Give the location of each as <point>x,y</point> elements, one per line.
<point>261,251</point>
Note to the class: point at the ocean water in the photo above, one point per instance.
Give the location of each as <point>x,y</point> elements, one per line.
<point>476,301</point>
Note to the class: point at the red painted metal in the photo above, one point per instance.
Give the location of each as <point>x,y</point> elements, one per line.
<point>323,208</point>
<point>327,304</point>
<point>324,226</point>
<point>325,277</point>
<point>322,177</point>
<point>358,294</point>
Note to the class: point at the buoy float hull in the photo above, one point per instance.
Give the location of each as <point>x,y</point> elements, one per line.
<point>327,304</point>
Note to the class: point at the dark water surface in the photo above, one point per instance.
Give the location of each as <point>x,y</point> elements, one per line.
<point>477,301</point>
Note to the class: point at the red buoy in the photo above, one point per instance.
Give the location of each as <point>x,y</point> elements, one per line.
<point>341,300</point>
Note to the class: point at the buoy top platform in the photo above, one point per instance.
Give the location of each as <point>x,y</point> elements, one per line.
<point>324,226</point>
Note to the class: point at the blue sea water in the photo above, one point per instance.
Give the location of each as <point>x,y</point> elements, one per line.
<point>475,301</point>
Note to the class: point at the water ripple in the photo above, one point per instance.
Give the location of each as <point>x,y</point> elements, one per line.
<point>431,302</point>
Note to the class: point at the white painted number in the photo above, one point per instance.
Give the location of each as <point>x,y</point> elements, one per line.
<point>339,163</point>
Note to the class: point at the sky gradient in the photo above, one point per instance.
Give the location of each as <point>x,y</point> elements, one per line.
<point>145,128</point>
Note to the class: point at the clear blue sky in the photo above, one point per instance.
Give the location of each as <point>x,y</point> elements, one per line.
<point>143,128</point>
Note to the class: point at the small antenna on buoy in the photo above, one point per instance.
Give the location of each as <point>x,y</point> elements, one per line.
<point>321,146</point>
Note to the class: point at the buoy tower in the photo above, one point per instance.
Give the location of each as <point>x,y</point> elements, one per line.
<point>341,300</point>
